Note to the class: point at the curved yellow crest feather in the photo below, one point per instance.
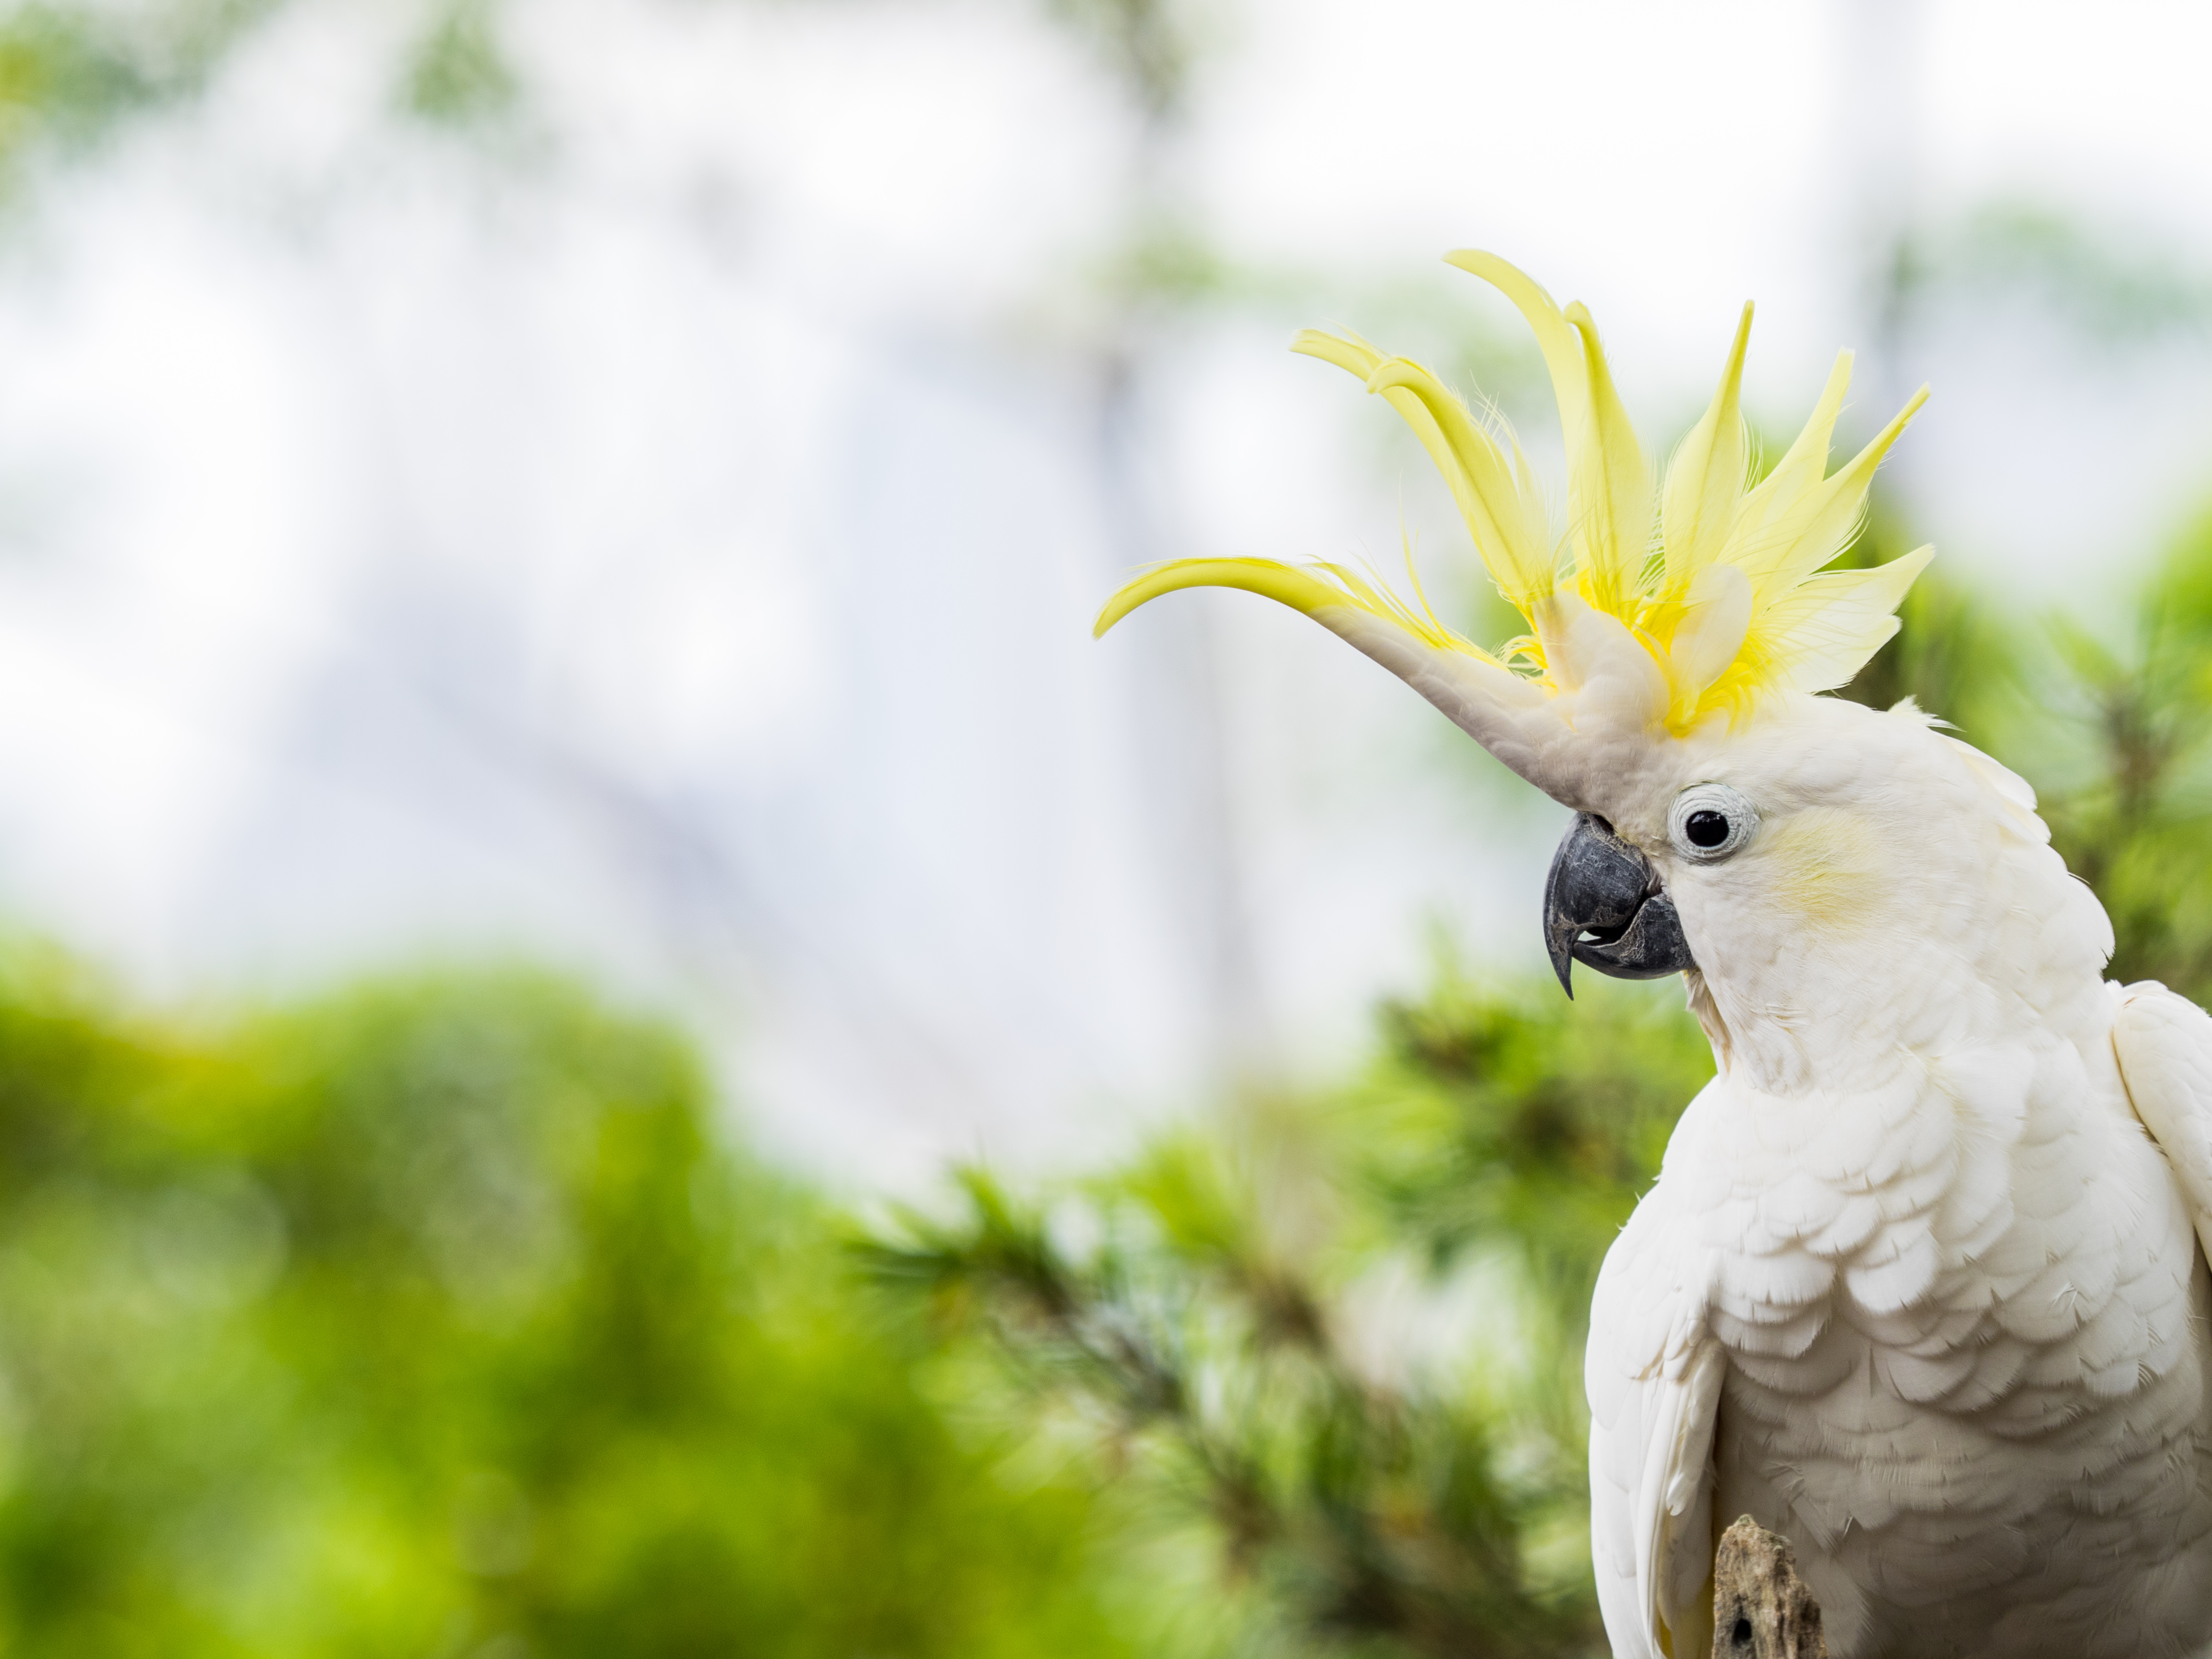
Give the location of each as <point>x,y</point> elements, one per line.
<point>1718,578</point>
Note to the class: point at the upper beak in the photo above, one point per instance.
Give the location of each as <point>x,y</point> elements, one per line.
<point>1602,886</point>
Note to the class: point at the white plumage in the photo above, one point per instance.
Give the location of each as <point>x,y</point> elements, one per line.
<point>1915,1288</point>
<point>1921,1284</point>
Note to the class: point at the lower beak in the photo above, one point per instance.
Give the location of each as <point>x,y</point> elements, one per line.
<point>1603,907</point>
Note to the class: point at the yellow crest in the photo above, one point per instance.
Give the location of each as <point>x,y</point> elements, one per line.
<point>1720,579</point>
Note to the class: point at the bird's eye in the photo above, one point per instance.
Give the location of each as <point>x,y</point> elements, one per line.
<point>1709,821</point>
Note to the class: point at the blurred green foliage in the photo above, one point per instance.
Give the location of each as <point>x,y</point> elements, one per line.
<point>69,73</point>
<point>2129,789</point>
<point>73,74</point>
<point>1148,46</point>
<point>458,76</point>
<point>434,1319</point>
<point>1524,1118</point>
<point>2110,289</point>
<point>442,1317</point>
<point>1259,1325</point>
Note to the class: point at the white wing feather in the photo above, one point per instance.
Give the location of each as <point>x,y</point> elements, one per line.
<point>1654,1379</point>
<point>2164,1045</point>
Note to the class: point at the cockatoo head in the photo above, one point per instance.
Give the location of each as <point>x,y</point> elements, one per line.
<point>1677,634</point>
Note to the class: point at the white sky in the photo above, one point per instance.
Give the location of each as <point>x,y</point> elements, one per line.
<point>675,553</point>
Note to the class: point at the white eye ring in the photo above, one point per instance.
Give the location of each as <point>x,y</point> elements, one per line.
<point>1742,819</point>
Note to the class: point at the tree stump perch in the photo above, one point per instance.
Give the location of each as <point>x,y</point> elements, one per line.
<point>1761,1608</point>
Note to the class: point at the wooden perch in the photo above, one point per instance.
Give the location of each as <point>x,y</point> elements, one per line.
<point>1760,1610</point>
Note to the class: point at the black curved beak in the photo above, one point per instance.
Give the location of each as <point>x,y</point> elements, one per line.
<point>1603,908</point>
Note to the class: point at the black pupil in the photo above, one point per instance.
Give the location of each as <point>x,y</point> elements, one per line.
<point>1706,828</point>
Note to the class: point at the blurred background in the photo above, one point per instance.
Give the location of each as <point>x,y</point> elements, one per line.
<point>617,1036</point>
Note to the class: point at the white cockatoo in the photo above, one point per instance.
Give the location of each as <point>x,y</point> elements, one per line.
<point>1920,1285</point>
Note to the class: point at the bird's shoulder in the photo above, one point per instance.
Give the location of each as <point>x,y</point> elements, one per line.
<point>1653,1372</point>
<point>1649,1310</point>
<point>2163,1044</point>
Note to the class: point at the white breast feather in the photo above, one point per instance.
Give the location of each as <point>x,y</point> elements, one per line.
<point>1908,1302</point>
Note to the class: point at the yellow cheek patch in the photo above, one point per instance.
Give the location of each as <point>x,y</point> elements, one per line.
<point>1822,867</point>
